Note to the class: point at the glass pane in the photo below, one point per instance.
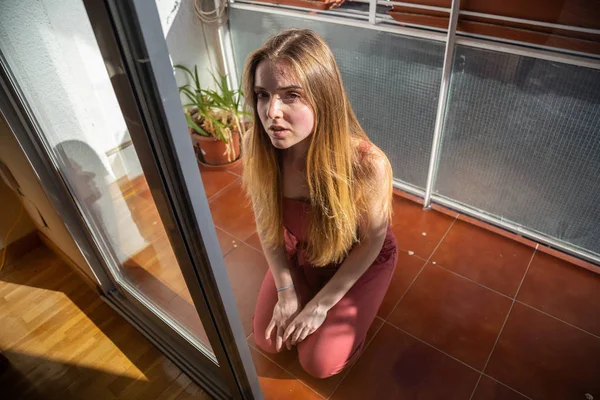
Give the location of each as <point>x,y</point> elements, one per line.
<point>52,51</point>
<point>193,45</point>
<point>392,81</point>
<point>522,142</point>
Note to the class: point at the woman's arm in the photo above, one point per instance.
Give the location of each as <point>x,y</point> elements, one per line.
<point>354,266</point>
<point>279,266</point>
<point>288,304</point>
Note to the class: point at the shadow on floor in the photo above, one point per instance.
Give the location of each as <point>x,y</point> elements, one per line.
<point>60,353</point>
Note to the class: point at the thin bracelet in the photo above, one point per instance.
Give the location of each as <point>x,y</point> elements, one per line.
<point>285,287</point>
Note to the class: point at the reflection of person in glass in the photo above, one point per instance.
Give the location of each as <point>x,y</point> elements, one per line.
<point>84,182</point>
<point>322,197</point>
<point>98,194</point>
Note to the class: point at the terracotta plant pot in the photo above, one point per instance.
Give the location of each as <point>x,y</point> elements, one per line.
<point>211,151</point>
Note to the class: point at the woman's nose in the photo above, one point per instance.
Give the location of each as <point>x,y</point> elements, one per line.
<point>274,110</point>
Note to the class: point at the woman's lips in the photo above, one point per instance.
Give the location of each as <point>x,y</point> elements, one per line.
<point>279,133</point>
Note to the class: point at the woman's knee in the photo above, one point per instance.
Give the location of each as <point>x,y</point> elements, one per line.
<point>266,345</point>
<point>321,365</point>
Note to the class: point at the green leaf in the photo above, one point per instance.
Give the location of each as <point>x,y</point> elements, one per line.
<point>187,92</point>
<point>218,100</point>
<point>216,81</point>
<point>207,101</point>
<point>183,68</point>
<point>195,126</point>
<point>196,78</point>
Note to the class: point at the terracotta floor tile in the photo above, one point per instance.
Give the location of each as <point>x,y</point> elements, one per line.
<point>176,282</point>
<point>410,221</point>
<point>407,269</point>
<point>276,384</point>
<point>288,360</point>
<point>215,181</point>
<point>563,290</point>
<point>152,287</point>
<point>498,231</point>
<point>485,257</point>
<point>254,241</point>
<point>185,312</point>
<point>226,241</point>
<point>167,271</point>
<point>453,314</point>
<point>246,268</point>
<point>595,268</point>
<point>489,389</point>
<point>397,366</point>
<point>544,358</point>
<point>444,210</point>
<point>232,213</point>
<point>186,295</point>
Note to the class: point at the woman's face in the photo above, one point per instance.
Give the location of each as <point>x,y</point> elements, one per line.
<point>281,105</point>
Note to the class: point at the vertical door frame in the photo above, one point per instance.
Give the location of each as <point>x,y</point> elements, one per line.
<point>130,38</point>
<point>136,56</point>
<point>29,135</point>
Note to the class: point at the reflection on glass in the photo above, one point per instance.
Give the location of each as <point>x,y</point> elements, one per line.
<point>51,50</point>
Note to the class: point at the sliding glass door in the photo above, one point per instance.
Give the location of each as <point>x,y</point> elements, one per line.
<point>90,93</point>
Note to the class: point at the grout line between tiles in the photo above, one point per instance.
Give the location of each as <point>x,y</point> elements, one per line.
<point>475,282</point>
<point>253,248</point>
<point>294,376</point>
<point>558,319</point>
<point>504,323</point>
<point>249,245</point>
<point>238,239</point>
<point>420,271</point>
<point>220,192</point>
<point>442,239</point>
<point>433,347</point>
<point>406,291</point>
<point>407,250</point>
<point>506,386</point>
<point>233,248</point>
<point>355,362</point>
<point>345,373</point>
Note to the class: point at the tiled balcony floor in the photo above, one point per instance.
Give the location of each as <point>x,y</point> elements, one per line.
<point>469,314</point>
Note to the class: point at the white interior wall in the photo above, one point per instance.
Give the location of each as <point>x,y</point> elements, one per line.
<point>10,206</point>
<point>52,51</point>
<point>37,204</point>
<point>189,42</point>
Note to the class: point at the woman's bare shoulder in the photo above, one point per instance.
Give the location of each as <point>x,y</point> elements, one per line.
<point>370,156</point>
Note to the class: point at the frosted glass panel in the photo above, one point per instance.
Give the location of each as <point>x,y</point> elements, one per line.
<point>522,142</point>
<point>392,81</point>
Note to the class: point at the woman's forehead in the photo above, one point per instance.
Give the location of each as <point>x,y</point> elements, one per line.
<point>275,75</point>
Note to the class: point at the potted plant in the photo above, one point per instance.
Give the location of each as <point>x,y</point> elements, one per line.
<point>215,121</point>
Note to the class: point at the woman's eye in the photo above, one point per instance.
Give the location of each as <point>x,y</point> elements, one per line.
<point>292,96</point>
<point>261,95</point>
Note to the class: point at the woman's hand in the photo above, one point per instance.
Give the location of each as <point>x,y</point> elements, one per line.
<point>285,310</point>
<point>305,323</point>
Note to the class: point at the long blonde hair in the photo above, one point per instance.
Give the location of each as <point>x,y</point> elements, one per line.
<point>338,166</point>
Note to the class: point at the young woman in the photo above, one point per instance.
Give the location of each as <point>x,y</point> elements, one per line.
<point>322,198</point>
